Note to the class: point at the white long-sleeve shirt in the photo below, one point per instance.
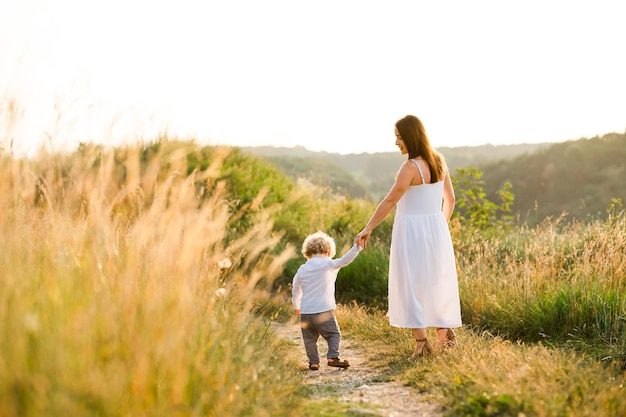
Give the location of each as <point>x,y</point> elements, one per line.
<point>314,283</point>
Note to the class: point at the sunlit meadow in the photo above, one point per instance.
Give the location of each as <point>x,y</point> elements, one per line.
<point>120,293</point>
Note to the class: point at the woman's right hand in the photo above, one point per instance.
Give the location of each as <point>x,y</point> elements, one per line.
<point>361,238</point>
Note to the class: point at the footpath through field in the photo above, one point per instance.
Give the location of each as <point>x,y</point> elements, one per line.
<point>362,389</point>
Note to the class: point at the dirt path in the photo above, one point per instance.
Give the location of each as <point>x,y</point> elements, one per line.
<point>366,391</point>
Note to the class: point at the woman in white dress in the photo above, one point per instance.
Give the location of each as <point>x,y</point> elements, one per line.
<point>423,285</point>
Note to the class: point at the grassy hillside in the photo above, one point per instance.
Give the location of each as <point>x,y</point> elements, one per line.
<point>580,178</point>
<point>141,281</point>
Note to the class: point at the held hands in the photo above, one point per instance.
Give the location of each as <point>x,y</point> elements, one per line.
<point>362,238</point>
<point>297,312</point>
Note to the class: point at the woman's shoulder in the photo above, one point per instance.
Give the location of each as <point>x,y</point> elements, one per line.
<point>408,167</point>
<point>406,164</point>
<point>413,162</point>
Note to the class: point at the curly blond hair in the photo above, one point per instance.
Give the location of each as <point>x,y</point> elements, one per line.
<point>318,243</point>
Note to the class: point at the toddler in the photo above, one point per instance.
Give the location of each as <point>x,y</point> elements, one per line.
<point>313,296</point>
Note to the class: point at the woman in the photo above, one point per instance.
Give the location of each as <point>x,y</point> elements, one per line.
<point>423,286</point>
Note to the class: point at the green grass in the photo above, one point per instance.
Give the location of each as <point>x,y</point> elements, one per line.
<point>491,376</point>
<point>545,331</point>
<point>560,284</point>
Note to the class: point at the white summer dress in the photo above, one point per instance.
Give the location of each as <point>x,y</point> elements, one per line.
<point>423,284</point>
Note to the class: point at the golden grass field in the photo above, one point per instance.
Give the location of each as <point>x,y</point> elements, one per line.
<point>127,290</point>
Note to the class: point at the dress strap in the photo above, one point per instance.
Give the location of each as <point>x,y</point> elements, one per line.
<point>420,170</point>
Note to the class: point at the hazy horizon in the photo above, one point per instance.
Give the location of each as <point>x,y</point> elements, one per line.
<point>329,76</point>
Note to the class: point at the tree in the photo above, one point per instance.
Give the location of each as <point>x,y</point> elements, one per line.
<point>472,206</point>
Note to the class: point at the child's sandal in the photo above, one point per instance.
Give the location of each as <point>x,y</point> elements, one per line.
<point>338,363</point>
<point>314,366</point>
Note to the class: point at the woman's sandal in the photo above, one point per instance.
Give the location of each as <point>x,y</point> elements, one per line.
<point>426,349</point>
<point>450,339</point>
<point>314,366</point>
<point>338,363</point>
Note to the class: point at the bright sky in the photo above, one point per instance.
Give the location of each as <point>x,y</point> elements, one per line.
<point>327,75</point>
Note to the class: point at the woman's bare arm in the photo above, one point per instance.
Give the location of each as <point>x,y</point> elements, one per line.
<point>399,187</point>
<point>448,197</point>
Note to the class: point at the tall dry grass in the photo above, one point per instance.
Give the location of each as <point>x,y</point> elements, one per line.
<point>545,315</point>
<point>488,375</point>
<point>554,282</point>
<point>120,293</point>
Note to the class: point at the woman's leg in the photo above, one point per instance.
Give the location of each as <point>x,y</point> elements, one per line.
<point>442,335</point>
<point>422,346</point>
<point>419,333</point>
<point>446,337</point>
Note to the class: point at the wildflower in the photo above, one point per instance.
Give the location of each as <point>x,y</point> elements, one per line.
<point>224,263</point>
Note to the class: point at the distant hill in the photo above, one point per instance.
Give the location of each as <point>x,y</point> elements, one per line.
<point>369,175</point>
<point>580,177</point>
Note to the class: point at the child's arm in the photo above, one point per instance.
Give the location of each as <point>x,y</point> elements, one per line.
<point>296,294</point>
<point>349,256</point>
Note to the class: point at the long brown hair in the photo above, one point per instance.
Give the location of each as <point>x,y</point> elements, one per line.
<point>413,134</point>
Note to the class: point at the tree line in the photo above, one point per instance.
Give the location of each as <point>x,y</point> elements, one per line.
<point>576,179</point>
